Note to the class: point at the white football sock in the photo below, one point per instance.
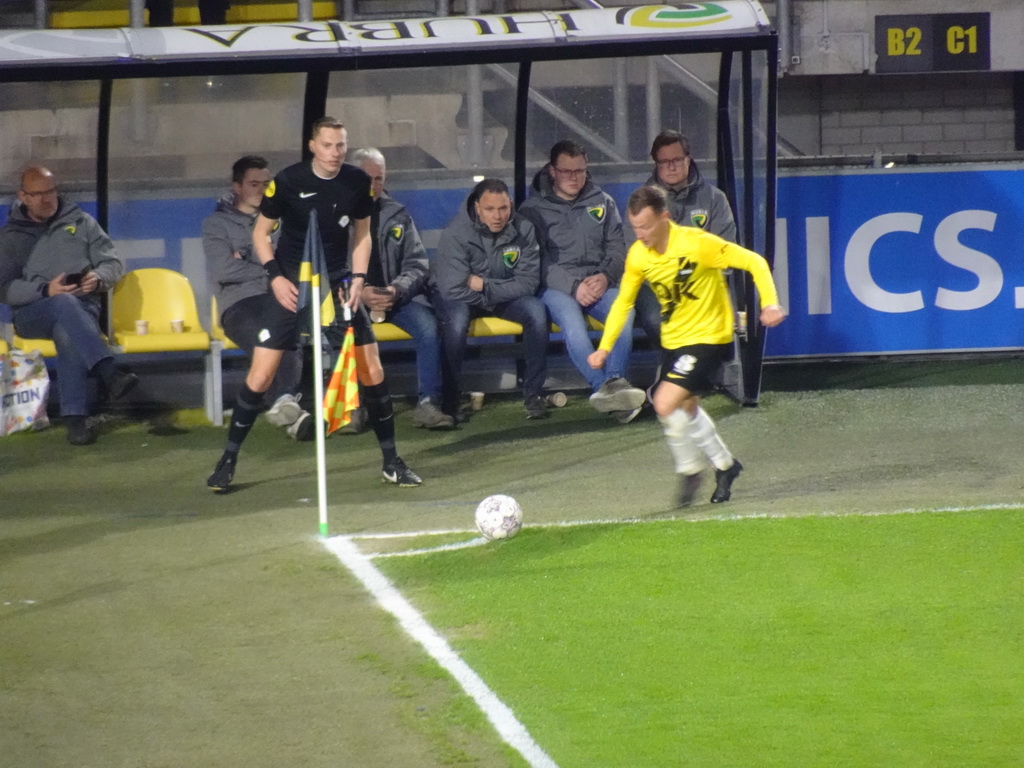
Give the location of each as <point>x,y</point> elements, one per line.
<point>685,452</point>
<point>703,432</point>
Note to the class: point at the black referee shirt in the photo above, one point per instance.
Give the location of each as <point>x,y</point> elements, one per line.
<point>296,191</point>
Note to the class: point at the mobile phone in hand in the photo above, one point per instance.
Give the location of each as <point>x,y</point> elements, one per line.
<point>75,278</point>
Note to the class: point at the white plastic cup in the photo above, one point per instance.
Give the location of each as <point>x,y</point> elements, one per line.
<point>476,400</point>
<point>141,327</point>
<point>177,326</point>
<point>557,399</point>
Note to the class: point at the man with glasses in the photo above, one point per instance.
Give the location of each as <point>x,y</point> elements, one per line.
<point>55,263</point>
<point>692,202</point>
<point>582,255</point>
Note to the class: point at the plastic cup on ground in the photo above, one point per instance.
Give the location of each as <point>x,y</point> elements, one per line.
<point>476,400</point>
<point>141,327</point>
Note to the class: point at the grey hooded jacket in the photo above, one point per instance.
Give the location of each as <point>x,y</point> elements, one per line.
<point>228,231</point>
<point>578,238</point>
<point>508,261</point>
<point>700,204</point>
<point>33,253</point>
<point>402,255</point>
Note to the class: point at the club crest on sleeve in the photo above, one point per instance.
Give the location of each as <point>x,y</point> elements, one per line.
<point>271,189</point>
<point>71,229</point>
<point>699,218</point>
<point>343,221</point>
<point>396,233</point>
<point>596,212</point>
<point>510,256</point>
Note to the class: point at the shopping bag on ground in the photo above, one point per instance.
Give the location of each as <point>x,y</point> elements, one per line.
<point>24,389</point>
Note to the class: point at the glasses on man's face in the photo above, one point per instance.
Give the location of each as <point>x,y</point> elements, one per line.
<point>670,162</point>
<point>579,173</point>
<point>42,193</point>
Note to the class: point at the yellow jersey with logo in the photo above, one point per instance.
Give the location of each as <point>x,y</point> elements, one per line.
<point>687,279</point>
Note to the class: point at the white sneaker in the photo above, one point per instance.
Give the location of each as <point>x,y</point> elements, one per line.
<point>617,395</point>
<point>303,428</point>
<point>285,411</point>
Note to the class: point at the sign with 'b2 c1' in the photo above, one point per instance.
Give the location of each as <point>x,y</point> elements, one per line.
<point>936,42</point>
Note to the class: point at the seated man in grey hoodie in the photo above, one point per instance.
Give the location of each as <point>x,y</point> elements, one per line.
<point>488,263</point>
<point>55,263</point>
<point>692,202</point>
<point>239,283</point>
<point>582,257</point>
<point>396,283</point>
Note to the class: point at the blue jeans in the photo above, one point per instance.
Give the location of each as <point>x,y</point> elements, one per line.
<point>73,325</point>
<point>454,317</point>
<point>419,321</point>
<point>569,315</point>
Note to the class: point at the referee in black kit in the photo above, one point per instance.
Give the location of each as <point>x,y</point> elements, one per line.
<point>340,194</point>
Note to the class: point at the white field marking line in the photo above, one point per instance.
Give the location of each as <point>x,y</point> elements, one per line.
<point>690,518</point>
<point>390,599</point>
<point>479,541</point>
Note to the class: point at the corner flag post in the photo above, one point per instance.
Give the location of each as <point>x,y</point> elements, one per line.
<point>313,277</point>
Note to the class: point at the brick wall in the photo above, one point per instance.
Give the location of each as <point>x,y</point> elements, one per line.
<point>915,114</point>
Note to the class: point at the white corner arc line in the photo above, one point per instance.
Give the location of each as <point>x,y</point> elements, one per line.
<point>391,600</point>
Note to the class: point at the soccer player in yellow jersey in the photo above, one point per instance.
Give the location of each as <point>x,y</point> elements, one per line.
<point>683,266</point>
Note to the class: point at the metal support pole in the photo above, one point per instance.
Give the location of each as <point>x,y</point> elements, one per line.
<point>475,102</point>
<point>620,104</point>
<point>305,10</point>
<point>783,19</point>
<point>348,10</point>
<point>653,101</point>
<point>42,14</point>
<point>475,112</point>
<point>443,8</point>
<point>137,14</point>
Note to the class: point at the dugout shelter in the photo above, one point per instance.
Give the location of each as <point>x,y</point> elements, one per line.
<point>142,124</point>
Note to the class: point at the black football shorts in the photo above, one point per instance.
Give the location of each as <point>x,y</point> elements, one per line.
<point>280,328</point>
<point>694,368</point>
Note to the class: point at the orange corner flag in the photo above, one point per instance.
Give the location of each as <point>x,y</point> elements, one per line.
<point>342,395</point>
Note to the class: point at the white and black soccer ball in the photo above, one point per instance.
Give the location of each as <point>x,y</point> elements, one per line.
<point>499,517</point>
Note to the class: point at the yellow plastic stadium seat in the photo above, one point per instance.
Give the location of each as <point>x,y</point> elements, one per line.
<point>216,329</point>
<point>82,14</point>
<point>494,326</point>
<point>157,296</point>
<point>592,323</point>
<point>389,332</point>
<point>3,346</point>
<point>46,346</point>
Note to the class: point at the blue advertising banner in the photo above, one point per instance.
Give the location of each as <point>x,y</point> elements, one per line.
<point>868,262</point>
<point>895,261</point>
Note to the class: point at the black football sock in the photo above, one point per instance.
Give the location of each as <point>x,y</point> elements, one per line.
<point>247,408</point>
<point>381,416</point>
